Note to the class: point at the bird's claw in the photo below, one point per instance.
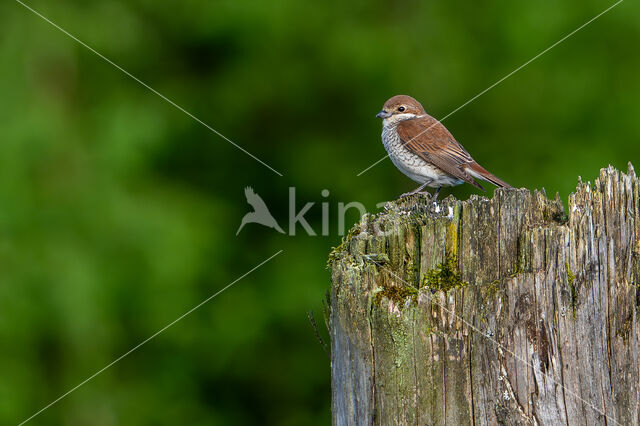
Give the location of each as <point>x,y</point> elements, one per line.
<point>407,194</point>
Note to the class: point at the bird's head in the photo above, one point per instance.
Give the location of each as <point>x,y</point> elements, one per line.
<point>400,108</point>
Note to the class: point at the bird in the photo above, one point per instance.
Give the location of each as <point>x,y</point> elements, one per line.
<point>424,150</point>
<point>260,213</point>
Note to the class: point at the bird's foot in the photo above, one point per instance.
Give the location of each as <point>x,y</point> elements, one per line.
<point>406,194</point>
<point>415,191</point>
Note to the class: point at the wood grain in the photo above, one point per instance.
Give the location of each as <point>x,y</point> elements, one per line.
<point>540,325</point>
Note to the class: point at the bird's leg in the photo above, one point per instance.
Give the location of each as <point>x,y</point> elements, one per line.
<point>434,197</point>
<point>415,191</point>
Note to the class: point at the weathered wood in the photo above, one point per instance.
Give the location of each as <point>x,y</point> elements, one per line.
<point>501,311</point>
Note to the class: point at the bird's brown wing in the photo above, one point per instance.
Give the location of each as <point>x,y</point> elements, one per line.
<point>429,139</point>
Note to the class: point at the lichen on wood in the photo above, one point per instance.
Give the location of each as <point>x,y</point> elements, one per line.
<point>508,310</point>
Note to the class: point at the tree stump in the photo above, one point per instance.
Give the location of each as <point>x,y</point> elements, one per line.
<point>501,311</point>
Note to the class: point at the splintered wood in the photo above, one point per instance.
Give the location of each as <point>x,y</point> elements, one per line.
<point>502,311</point>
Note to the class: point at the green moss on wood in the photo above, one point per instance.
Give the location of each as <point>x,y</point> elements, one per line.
<point>452,238</point>
<point>445,276</point>
<point>517,269</point>
<point>339,251</point>
<point>555,213</point>
<point>396,294</point>
<point>413,273</point>
<point>560,217</point>
<point>492,288</point>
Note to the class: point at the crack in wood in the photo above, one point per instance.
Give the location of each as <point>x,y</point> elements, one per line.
<point>558,291</point>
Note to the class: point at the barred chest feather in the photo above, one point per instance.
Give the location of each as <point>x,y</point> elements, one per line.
<point>411,164</point>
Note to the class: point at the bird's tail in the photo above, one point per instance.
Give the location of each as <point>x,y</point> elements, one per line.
<point>479,172</point>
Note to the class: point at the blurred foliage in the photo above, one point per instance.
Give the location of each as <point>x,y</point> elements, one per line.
<point>119,212</point>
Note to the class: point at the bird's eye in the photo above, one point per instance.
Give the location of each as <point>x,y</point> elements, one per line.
<point>401,109</point>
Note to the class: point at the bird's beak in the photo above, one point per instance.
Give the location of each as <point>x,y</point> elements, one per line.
<point>383,114</point>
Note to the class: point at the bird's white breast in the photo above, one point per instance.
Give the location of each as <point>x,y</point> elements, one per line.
<point>411,164</point>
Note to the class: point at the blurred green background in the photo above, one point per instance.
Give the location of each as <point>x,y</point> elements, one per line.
<point>118,212</point>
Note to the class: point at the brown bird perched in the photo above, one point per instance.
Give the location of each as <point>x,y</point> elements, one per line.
<point>424,150</point>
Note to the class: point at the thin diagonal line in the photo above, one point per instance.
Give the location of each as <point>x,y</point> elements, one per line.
<point>148,339</point>
<point>150,88</point>
<point>504,348</point>
<point>506,77</point>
